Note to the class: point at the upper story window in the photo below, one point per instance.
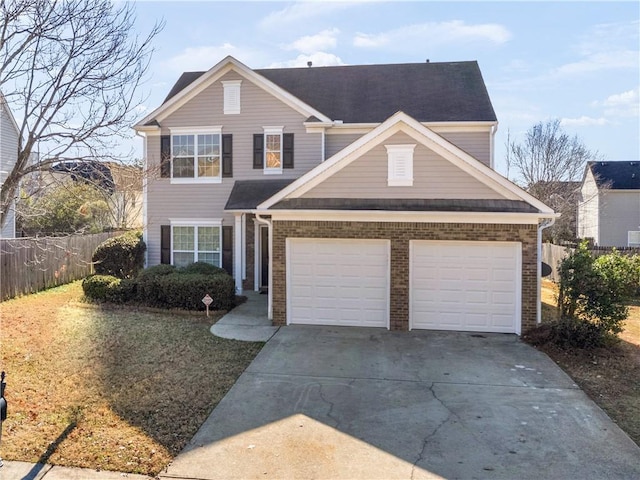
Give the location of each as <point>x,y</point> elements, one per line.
<point>273,150</point>
<point>231,96</point>
<point>400,165</point>
<point>196,155</point>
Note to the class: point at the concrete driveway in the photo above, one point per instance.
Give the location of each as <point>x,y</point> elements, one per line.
<point>356,403</point>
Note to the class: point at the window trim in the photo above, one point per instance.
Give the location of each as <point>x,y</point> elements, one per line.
<point>195,132</point>
<point>197,223</point>
<point>230,87</point>
<point>272,131</point>
<point>396,153</point>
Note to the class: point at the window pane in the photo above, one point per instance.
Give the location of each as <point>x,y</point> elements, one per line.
<point>182,259</point>
<point>209,145</point>
<point>273,143</point>
<point>209,239</point>
<point>211,258</point>
<point>273,159</point>
<point>209,166</point>
<point>183,238</point>
<point>183,145</point>
<point>183,167</point>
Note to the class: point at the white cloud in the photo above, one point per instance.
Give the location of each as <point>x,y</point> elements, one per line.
<point>583,121</point>
<point>434,33</point>
<point>600,61</point>
<point>205,57</point>
<point>308,44</point>
<point>625,104</point>
<point>299,12</point>
<point>319,59</point>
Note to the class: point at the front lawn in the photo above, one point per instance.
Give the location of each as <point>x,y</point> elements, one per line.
<point>610,376</point>
<point>109,388</point>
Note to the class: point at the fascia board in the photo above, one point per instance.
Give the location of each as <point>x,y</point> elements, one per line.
<point>5,106</point>
<point>408,216</point>
<point>216,72</point>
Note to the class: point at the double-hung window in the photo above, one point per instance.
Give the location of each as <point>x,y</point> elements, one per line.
<point>196,243</point>
<point>272,150</point>
<point>196,156</point>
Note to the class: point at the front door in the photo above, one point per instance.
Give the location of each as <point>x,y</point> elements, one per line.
<point>264,258</point>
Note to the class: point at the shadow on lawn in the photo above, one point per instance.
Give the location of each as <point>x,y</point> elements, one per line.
<point>53,446</point>
<point>165,372</point>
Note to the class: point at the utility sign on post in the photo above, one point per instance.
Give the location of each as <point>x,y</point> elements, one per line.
<point>207,300</point>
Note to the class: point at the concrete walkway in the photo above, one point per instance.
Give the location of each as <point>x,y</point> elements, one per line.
<point>37,471</point>
<point>247,322</point>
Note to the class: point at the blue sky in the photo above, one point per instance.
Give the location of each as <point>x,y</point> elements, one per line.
<point>576,61</point>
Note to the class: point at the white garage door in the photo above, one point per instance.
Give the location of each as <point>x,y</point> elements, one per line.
<point>338,282</point>
<point>469,286</point>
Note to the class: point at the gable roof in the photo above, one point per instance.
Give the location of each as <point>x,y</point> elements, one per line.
<point>191,84</point>
<point>616,175</point>
<point>5,106</point>
<point>428,92</point>
<point>403,122</point>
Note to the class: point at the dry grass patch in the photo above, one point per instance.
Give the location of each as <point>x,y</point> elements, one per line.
<point>109,388</point>
<point>610,376</point>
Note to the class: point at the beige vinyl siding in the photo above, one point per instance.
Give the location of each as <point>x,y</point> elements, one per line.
<point>336,142</point>
<point>588,220</point>
<point>167,201</point>
<point>476,144</point>
<point>619,214</point>
<point>8,158</point>
<point>433,177</point>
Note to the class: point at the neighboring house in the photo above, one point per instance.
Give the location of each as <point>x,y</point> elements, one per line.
<point>9,134</point>
<point>356,195</point>
<point>609,206</point>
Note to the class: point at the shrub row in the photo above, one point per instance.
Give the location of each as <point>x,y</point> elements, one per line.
<point>166,286</point>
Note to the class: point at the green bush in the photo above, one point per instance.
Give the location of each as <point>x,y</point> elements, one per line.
<point>577,333</point>
<point>186,290</point>
<point>98,287</point>
<point>203,268</point>
<point>593,291</point>
<point>121,256</point>
<point>107,288</point>
<point>621,272</point>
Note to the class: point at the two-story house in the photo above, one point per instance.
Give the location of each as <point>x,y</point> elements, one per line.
<point>609,204</point>
<point>355,195</point>
<point>9,134</point>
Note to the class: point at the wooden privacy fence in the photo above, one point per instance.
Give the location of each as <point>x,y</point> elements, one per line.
<point>28,265</point>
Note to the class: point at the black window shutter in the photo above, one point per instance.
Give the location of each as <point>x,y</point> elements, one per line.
<point>227,248</point>
<point>165,156</point>
<point>165,244</point>
<point>287,150</point>
<point>227,155</point>
<point>258,150</point>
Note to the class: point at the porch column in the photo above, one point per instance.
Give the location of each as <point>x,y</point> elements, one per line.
<point>237,251</point>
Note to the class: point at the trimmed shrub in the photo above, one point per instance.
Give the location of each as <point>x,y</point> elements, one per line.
<point>98,287</point>
<point>121,256</point>
<point>203,268</point>
<point>147,280</point>
<point>576,333</point>
<point>186,290</point>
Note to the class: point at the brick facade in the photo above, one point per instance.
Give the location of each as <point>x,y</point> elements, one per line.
<point>400,234</point>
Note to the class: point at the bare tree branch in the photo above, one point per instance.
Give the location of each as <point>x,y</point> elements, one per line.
<point>71,71</point>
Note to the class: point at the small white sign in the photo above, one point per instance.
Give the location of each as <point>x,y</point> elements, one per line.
<point>207,300</point>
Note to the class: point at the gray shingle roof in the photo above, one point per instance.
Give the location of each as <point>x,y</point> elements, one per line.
<point>248,194</point>
<point>428,92</point>
<point>616,175</point>
<point>418,205</point>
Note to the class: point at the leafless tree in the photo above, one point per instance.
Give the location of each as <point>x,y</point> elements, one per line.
<point>70,71</point>
<point>549,164</point>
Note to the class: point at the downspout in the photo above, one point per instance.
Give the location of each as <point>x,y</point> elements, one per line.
<point>492,142</point>
<point>545,223</point>
<point>269,224</point>
<point>144,197</point>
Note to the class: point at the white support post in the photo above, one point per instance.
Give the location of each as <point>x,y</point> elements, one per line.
<point>256,255</point>
<point>237,252</point>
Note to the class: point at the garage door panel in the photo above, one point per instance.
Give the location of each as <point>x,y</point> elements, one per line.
<point>338,282</point>
<point>472,286</point>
